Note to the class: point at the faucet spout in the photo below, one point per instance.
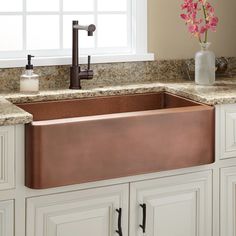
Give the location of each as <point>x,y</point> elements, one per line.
<point>89,28</point>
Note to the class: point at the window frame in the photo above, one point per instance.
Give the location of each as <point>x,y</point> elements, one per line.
<point>137,50</point>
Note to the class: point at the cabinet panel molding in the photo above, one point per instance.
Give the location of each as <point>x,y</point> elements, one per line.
<point>7,158</point>
<point>228,201</point>
<point>227,130</point>
<point>177,205</point>
<point>6,218</point>
<point>86,212</point>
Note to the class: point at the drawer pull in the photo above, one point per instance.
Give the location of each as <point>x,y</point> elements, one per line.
<point>119,231</point>
<point>143,225</point>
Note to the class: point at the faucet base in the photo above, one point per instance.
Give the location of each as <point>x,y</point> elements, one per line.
<point>75,88</point>
<point>74,77</point>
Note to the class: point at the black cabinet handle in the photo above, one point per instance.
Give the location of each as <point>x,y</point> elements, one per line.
<point>119,231</point>
<point>143,225</point>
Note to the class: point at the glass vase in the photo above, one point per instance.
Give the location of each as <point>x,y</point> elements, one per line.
<point>205,66</point>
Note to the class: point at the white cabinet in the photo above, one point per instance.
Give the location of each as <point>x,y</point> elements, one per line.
<point>81,213</point>
<point>175,206</point>
<point>228,202</point>
<point>226,127</point>
<point>6,218</point>
<point>7,159</point>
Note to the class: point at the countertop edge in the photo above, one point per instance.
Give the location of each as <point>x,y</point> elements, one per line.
<point>10,114</point>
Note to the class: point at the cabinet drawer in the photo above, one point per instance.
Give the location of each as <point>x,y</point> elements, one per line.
<point>7,157</point>
<point>227,131</point>
<point>82,213</point>
<point>6,218</point>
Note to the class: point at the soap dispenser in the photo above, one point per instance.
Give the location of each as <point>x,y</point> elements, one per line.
<point>29,82</point>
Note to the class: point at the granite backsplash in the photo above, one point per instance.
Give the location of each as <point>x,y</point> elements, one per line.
<point>57,77</point>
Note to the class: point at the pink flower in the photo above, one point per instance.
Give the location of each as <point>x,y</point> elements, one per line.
<point>184,17</point>
<point>213,24</point>
<point>193,29</point>
<point>203,2</point>
<point>214,21</point>
<point>209,8</point>
<point>203,29</point>
<point>198,25</point>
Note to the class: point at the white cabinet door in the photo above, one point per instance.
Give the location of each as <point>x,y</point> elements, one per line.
<point>175,206</point>
<point>228,202</point>
<point>81,213</point>
<point>226,131</point>
<point>7,159</point>
<point>6,218</point>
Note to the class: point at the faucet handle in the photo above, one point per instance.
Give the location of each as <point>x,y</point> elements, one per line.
<point>89,62</point>
<point>86,74</point>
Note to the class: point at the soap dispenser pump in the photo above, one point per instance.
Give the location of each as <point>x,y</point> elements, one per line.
<point>29,82</point>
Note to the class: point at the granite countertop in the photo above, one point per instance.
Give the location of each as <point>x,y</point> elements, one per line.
<point>223,92</point>
<point>11,114</point>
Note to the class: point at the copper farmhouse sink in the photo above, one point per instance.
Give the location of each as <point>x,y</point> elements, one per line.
<point>91,139</point>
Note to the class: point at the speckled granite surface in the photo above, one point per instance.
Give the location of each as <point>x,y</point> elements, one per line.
<point>57,77</point>
<point>223,92</point>
<point>11,114</point>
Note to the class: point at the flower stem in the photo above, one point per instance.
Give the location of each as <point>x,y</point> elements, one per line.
<point>199,38</point>
<point>205,16</point>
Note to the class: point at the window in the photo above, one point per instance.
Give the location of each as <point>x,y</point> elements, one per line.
<point>44,28</point>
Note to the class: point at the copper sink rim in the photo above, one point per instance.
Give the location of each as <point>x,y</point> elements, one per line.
<point>180,109</point>
<point>119,115</point>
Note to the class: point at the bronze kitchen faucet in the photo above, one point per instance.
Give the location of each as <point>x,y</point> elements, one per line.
<point>76,75</point>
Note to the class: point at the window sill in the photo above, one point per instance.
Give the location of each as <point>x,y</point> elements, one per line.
<point>52,61</point>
